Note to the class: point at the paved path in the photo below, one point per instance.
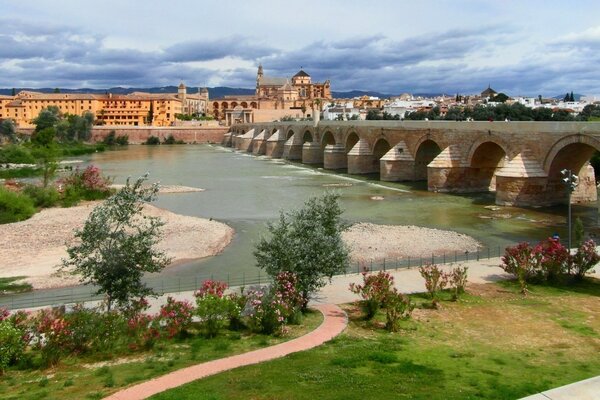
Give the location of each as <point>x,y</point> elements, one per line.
<point>335,321</point>
<point>588,389</point>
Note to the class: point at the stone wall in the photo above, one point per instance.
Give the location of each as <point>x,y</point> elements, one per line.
<point>139,135</point>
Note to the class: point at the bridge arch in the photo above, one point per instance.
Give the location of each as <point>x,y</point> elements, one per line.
<point>307,137</point>
<point>426,151</point>
<point>484,161</point>
<point>380,148</point>
<point>327,139</point>
<point>350,140</point>
<point>508,151</point>
<point>572,153</point>
<point>289,134</point>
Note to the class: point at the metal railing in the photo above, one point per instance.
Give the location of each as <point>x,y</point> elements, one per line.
<point>178,284</point>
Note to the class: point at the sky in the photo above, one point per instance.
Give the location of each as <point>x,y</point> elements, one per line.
<point>526,47</point>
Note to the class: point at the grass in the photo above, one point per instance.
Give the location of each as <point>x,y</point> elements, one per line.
<point>492,344</point>
<point>8,285</point>
<point>15,173</point>
<point>95,377</point>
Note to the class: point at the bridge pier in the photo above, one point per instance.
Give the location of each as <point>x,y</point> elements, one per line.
<point>227,139</point>
<point>259,144</point>
<point>361,160</point>
<point>291,150</point>
<point>274,146</point>
<point>397,164</point>
<point>334,157</point>
<point>448,172</point>
<point>312,153</point>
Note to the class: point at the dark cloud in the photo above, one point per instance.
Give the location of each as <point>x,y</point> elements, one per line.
<point>449,61</point>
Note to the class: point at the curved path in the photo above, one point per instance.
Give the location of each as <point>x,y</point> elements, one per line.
<point>334,322</point>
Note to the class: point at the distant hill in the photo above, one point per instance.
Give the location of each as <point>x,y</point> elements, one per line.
<point>214,93</point>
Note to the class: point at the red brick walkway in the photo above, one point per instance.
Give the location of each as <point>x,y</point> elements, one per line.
<point>333,324</point>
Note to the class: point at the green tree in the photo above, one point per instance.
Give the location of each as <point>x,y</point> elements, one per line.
<point>117,245</point>
<point>150,116</point>
<point>14,92</point>
<point>307,242</point>
<point>47,118</point>
<point>56,90</point>
<point>7,130</point>
<point>45,152</point>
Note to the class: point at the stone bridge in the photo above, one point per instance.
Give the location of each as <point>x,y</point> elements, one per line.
<point>519,161</point>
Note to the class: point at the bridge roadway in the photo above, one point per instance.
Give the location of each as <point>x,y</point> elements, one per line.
<point>519,161</point>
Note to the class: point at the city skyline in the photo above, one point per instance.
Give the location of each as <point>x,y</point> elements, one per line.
<point>534,48</point>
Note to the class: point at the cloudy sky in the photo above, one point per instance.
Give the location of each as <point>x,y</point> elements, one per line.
<point>521,47</point>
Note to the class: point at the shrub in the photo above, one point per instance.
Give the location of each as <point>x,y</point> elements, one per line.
<point>236,311</point>
<point>14,206</point>
<point>585,259</point>
<point>373,291</point>
<point>110,139</point>
<point>88,184</point>
<point>94,330</point>
<point>175,317</point>
<point>53,336</point>
<point>398,308</point>
<point>272,307</point>
<point>12,345</point>
<point>171,140</point>
<point>122,140</point>
<point>42,197</point>
<point>435,281</point>
<point>144,331</point>
<point>523,262</point>
<point>458,280</point>
<point>213,308</point>
<point>555,259</point>
<point>153,140</point>
<point>14,154</point>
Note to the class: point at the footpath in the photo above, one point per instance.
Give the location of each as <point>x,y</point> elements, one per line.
<point>334,322</point>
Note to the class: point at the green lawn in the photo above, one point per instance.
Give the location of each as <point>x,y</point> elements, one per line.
<point>493,344</point>
<point>94,377</point>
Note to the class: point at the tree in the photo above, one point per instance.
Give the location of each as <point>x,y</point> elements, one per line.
<point>579,232</point>
<point>572,97</point>
<point>7,130</point>
<point>117,245</point>
<point>308,243</point>
<point>150,116</point>
<point>47,118</point>
<point>14,92</point>
<point>303,109</point>
<point>45,152</point>
<point>56,90</point>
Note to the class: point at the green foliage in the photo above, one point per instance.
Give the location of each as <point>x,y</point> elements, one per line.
<point>213,311</point>
<point>398,308</point>
<point>88,184</point>
<point>8,285</point>
<point>47,118</point>
<point>499,98</point>
<point>171,140</point>
<point>45,152</point>
<point>458,281</point>
<point>306,242</point>
<point>113,140</point>
<point>12,347</point>
<point>7,131</point>
<point>25,172</point>
<point>118,245</point>
<point>152,140</point>
<point>14,207</point>
<point>435,281</point>
<point>14,154</point>
<point>373,291</point>
<point>42,197</point>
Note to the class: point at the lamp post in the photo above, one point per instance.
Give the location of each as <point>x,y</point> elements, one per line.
<point>571,181</point>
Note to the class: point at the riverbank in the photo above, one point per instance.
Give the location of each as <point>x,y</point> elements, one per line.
<point>33,248</point>
<point>377,242</point>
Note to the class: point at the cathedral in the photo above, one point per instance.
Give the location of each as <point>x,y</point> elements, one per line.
<point>275,98</point>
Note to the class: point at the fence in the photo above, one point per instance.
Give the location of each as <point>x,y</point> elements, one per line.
<point>177,284</point>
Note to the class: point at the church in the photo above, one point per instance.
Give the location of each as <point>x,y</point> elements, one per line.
<point>275,98</point>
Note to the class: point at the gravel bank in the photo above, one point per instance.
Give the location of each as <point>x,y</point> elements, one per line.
<point>34,247</point>
<point>376,242</point>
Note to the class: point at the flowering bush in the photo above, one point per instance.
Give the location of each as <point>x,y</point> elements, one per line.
<point>52,335</point>
<point>12,345</point>
<point>435,281</point>
<point>88,184</point>
<point>374,291</point>
<point>213,307</point>
<point>175,317</point>
<point>585,259</point>
<point>398,307</point>
<point>238,305</point>
<point>143,330</point>
<point>555,259</point>
<point>458,280</point>
<point>523,262</point>
<point>271,308</point>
